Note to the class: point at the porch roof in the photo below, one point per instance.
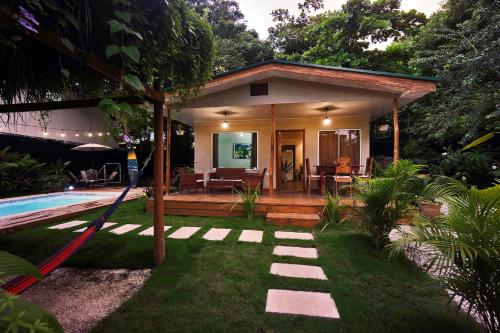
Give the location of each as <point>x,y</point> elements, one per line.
<point>301,90</point>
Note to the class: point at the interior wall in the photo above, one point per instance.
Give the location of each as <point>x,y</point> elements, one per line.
<point>312,126</point>
<point>294,139</point>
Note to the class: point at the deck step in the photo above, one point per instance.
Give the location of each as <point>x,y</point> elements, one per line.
<point>293,219</point>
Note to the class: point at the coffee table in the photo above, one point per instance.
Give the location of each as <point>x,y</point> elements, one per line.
<point>223,184</point>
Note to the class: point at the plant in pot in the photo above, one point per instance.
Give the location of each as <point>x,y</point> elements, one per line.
<point>427,201</point>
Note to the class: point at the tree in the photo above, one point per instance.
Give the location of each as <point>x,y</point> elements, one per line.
<point>235,45</point>
<point>459,45</point>
<point>343,37</point>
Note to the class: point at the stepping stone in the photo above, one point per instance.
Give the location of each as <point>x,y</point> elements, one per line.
<point>184,232</point>
<point>216,234</point>
<point>68,225</point>
<point>293,235</point>
<point>295,251</point>
<point>151,231</point>
<point>254,236</point>
<point>298,271</point>
<point>125,228</point>
<point>304,303</point>
<point>104,226</point>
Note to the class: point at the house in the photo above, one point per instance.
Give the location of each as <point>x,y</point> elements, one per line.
<point>276,114</point>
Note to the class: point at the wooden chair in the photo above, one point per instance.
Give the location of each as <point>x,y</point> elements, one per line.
<point>368,169</point>
<point>343,173</point>
<point>254,181</point>
<point>310,178</point>
<point>190,181</point>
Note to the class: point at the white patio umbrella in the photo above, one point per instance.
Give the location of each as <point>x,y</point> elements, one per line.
<point>93,147</point>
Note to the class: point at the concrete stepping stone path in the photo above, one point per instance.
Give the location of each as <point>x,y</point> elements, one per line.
<point>253,236</point>
<point>298,271</point>
<point>104,226</point>
<point>216,234</point>
<point>293,235</point>
<point>184,232</point>
<point>67,225</point>
<point>125,228</point>
<point>151,231</point>
<point>304,303</point>
<point>295,251</point>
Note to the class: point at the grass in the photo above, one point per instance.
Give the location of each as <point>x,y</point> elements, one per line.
<point>222,286</point>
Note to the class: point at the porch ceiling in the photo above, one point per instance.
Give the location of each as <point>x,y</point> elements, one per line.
<point>301,91</point>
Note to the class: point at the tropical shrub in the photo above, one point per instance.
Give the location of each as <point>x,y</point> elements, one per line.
<point>17,315</point>
<point>22,173</point>
<point>333,209</point>
<point>248,198</point>
<point>386,198</point>
<point>462,248</point>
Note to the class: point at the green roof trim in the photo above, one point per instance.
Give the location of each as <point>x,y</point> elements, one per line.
<point>345,69</point>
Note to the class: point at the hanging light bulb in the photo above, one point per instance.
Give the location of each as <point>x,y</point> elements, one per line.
<point>77,133</point>
<point>326,121</point>
<point>225,124</point>
<point>90,134</point>
<point>108,134</point>
<point>99,134</point>
<point>62,134</point>
<point>45,133</point>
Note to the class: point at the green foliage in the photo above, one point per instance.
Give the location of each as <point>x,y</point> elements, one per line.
<point>17,315</point>
<point>22,173</point>
<point>342,37</point>
<point>386,198</point>
<point>235,45</point>
<point>247,197</point>
<point>333,209</point>
<point>463,246</point>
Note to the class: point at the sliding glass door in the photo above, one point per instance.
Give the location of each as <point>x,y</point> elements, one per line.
<point>339,143</point>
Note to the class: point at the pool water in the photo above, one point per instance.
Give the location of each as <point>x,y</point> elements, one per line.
<point>18,206</point>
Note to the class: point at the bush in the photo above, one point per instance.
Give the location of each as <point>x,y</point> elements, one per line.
<point>23,174</point>
<point>385,199</point>
<point>333,209</point>
<point>463,246</point>
<point>248,198</point>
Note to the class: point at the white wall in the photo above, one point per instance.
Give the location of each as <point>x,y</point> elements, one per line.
<point>312,126</point>
<point>83,120</point>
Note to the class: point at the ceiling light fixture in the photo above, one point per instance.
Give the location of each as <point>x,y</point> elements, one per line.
<point>225,124</point>
<point>326,121</point>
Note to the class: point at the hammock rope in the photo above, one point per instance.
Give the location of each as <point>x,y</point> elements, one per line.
<point>21,283</point>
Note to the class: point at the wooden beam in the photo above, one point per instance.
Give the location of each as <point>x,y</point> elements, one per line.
<point>159,237</point>
<point>167,152</point>
<point>60,105</point>
<point>273,141</point>
<point>53,39</point>
<point>396,128</point>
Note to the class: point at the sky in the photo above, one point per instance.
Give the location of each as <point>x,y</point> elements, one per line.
<point>258,12</point>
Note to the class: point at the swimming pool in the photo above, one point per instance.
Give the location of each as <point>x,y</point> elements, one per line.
<point>34,203</point>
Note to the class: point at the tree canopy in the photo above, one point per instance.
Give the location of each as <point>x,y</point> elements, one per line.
<point>235,45</point>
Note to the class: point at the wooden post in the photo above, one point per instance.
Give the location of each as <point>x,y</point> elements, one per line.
<point>396,128</point>
<point>273,140</point>
<point>167,152</point>
<point>159,237</point>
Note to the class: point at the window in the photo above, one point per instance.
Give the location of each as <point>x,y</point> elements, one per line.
<point>339,143</point>
<point>259,89</point>
<point>235,150</point>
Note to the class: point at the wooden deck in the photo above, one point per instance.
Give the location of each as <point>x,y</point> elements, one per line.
<point>21,221</point>
<point>224,204</point>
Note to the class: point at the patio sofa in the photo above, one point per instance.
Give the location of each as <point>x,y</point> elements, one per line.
<point>228,173</point>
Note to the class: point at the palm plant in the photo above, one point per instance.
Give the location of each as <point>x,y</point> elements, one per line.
<point>463,247</point>
<point>247,197</point>
<point>387,198</point>
<point>333,209</point>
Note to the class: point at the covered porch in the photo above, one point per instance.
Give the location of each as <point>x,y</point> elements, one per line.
<point>276,116</point>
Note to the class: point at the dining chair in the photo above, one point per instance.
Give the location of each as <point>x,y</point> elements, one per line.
<point>343,173</point>
<point>368,169</point>
<point>310,178</point>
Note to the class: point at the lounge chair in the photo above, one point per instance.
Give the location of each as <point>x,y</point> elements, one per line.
<point>86,180</point>
<point>76,180</point>
<point>190,181</point>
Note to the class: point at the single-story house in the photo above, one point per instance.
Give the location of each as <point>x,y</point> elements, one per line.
<point>276,114</point>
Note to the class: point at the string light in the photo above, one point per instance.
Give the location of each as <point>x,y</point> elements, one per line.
<point>63,134</point>
<point>77,133</point>
<point>90,134</point>
<point>45,133</point>
<point>99,134</point>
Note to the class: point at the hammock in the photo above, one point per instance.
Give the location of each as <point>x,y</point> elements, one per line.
<point>21,283</point>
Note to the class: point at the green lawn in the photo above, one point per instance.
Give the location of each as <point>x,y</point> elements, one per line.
<point>221,286</point>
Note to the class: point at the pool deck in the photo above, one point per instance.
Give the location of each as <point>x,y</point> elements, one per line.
<point>29,219</point>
